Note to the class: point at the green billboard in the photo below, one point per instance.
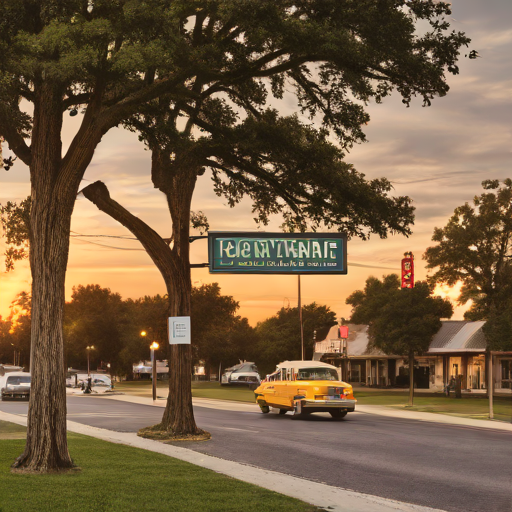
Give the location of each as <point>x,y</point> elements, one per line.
<point>277,253</point>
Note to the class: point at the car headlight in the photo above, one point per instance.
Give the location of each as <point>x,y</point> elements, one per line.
<point>347,391</point>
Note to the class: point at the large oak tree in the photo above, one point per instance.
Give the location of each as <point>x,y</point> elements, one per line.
<point>109,58</point>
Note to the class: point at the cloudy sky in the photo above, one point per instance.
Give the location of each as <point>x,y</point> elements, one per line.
<point>438,156</point>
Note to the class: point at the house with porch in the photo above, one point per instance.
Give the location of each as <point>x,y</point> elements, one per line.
<point>459,348</point>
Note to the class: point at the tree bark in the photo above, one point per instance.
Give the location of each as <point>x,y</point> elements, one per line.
<point>50,218</point>
<point>411,378</point>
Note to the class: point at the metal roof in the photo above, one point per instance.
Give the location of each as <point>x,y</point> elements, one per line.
<point>458,336</point>
<point>454,336</point>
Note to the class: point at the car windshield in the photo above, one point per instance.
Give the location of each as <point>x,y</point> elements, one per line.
<point>17,380</point>
<point>317,374</point>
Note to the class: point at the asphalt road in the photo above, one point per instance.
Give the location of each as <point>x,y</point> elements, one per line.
<point>448,467</point>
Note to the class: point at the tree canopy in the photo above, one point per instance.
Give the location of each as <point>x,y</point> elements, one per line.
<point>219,335</point>
<point>279,336</point>
<point>400,321</point>
<point>475,248</point>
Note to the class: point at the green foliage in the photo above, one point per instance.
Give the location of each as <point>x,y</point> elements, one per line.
<point>279,336</point>
<point>400,321</point>
<point>475,248</point>
<point>15,332</point>
<point>219,335</point>
<point>95,317</point>
<point>15,221</point>
<point>498,327</point>
<point>215,65</point>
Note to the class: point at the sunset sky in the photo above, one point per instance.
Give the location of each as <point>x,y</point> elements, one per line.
<point>438,156</point>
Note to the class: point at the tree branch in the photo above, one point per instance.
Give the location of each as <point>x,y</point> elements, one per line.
<point>155,246</point>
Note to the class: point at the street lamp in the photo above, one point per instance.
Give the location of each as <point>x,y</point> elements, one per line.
<point>89,348</point>
<point>154,346</point>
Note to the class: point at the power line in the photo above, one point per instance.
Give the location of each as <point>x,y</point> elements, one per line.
<point>109,246</point>
<point>103,236</point>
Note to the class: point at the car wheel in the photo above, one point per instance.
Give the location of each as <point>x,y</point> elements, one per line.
<point>282,411</point>
<point>337,415</point>
<point>265,409</point>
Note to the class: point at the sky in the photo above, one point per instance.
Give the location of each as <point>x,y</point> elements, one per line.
<point>438,156</point>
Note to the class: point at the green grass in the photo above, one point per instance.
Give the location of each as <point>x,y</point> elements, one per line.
<point>469,406</point>
<point>12,431</point>
<point>200,389</point>
<point>120,478</point>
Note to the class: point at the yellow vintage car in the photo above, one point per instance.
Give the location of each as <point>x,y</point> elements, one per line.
<point>304,387</point>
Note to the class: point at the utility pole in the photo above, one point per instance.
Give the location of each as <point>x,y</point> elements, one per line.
<point>301,326</point>
<point>154,346</point>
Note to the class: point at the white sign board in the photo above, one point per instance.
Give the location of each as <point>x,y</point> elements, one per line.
<point>179,330</point>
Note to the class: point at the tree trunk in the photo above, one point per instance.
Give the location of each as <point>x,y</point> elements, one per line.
<point>174,266</point>
<point>178,185</point>
<point>411,378</point>
<point>52,204</point>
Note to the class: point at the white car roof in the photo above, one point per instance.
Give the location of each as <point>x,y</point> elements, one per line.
<point>304,364</point>
<point>17,374</point>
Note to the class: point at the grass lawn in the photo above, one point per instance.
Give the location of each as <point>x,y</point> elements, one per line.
<point>120,478</point>
<point>12,431</point>
<point>470,406</point>
<point>199,389</point>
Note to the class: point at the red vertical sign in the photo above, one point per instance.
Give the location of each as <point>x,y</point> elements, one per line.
<point>343,332</point>
<point>408,270</point>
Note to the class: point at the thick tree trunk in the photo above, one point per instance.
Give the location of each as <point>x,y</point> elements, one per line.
<point>52,204</point>
<point>179,187</point>
<point>411,378</point>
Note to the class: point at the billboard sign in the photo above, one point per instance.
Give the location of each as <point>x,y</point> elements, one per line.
<point>277,253</point>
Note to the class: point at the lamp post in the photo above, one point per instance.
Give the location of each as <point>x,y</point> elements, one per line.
<point>89,348</point>
<point>154,346</point>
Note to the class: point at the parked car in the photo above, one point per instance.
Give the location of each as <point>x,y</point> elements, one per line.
<point>15,386</point>
<point>241,374</point>
<point>304,387</point>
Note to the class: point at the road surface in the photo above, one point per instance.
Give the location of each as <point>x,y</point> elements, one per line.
<point>449,467</point>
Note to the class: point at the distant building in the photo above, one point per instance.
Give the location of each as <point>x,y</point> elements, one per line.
<point>143,370</point>
<point>459,348</point>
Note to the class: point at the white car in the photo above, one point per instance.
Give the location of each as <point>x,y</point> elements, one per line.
<point>243,373</point>
<point>15,386</point>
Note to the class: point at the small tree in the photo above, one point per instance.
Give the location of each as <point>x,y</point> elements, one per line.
<point>401,322</point>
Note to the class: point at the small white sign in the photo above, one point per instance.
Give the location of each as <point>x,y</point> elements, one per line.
<point>179,330</point>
